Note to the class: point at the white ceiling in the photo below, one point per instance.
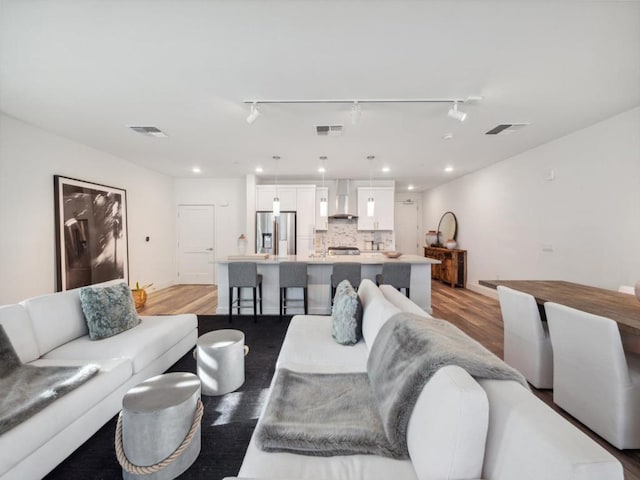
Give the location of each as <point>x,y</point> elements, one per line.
<point>85,69</point>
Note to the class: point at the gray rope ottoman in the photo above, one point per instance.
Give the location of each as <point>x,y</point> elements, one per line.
<point>158,431</point>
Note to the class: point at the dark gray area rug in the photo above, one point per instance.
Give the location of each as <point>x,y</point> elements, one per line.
<point>228,422</point>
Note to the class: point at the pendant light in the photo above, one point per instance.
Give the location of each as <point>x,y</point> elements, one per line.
<point>324,205</point>
<point>276,200</point>
<point>371,203</point>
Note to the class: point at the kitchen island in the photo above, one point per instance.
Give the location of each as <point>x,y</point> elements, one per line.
<point>319,269</point>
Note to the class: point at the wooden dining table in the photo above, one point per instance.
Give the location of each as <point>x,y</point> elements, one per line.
<point>621,307</point>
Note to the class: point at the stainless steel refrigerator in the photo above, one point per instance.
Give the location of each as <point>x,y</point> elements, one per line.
<point>276,233</point>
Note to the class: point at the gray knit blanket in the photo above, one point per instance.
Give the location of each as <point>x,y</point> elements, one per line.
<point>25,389</point>
<point>358,413</point>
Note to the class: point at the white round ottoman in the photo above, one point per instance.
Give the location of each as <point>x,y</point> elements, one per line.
<point>220,356</point>
<point>159,427</point>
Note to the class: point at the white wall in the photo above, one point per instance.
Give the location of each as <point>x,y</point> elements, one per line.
<point>589,214</point>
<point>29,157</point>
<point>228,196</point>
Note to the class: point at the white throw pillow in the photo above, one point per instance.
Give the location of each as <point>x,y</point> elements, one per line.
<point>447,430</point>
<point>375,315</point>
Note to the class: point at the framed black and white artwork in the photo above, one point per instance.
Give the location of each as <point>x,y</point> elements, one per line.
<point>91,233</point>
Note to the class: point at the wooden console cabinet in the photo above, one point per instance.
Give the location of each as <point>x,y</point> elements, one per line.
<point>453,266</point>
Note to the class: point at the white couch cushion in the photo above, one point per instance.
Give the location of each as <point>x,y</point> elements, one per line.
<point>143,343</point>
<point>527,440</point>
<point>375,315</point>
<point>448,427</point>
<point>57,318</point>
<point>401,301</point>
<point>26,437</point>
<point>309,347</point>
<point>263,465</point>
<point>18,326</point>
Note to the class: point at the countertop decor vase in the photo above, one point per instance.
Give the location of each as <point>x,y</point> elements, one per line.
<point>431,237</point>
<point>451,243</point>
<point>242,244</point>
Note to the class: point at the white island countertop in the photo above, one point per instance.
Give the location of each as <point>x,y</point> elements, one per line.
<point>319,270</point>
<point>364,258</point>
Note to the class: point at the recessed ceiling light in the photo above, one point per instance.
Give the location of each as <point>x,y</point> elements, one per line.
<point>448,169</point>
<point>259,170</point>
<point>447,136</point>
<point>386,169</point>
<point>196,170</point>
<point>410,187</point>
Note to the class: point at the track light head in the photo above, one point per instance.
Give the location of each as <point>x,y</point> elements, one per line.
<point>254,113</point>
<point>456,114</point>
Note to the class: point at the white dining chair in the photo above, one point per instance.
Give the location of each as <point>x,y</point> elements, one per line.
<point>527,347</point>
<point>593,379</point>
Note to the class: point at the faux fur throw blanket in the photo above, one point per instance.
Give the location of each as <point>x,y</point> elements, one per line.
<point>323,415</point>
<point>26,389</point>
<point>356,413</point>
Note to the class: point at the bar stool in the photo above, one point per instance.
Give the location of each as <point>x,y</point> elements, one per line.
<point>293,275</point>
<point>243,275</point>
<point>345,271</point>
<point>398,275</point>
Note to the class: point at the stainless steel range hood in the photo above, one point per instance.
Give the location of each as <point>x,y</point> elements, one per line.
<point>344,205</point>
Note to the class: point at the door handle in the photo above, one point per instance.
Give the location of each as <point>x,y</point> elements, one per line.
<point>210,249</point>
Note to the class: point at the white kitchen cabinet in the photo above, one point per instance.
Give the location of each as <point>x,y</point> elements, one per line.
<point>265,194</point>
<point>306,210</point>
<point>305,246</point>
<point>322,222</point>
<point>383,211</point>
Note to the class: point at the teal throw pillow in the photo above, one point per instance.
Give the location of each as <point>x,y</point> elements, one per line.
<point>346,315</point>
<point>108,310</point>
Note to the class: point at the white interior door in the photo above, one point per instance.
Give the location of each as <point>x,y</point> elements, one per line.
<point>196,233</point>
<point>407,228</point>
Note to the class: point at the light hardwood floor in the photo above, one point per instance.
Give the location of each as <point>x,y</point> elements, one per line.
<point>477,315</point>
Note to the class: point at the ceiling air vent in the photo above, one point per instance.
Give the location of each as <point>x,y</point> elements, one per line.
<point>329,130</point>
<point>149,131</point>
<point>506,128</point>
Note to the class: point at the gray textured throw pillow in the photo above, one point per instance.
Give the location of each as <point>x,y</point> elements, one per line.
<point>346,322</point>
<point>108,310</point>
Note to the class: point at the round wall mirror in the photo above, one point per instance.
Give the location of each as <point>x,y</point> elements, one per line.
<point>447,228</point>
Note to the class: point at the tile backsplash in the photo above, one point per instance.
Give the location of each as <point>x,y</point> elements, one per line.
<point>345,233</point>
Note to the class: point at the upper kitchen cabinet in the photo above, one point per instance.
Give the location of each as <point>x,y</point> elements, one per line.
<point>306,210</point>
<point>322,222</point>
<point>383,211</point>
<point>286,194</point>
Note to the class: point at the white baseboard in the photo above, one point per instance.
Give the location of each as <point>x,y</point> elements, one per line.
<point>160,286</point>
<point>482,290</point>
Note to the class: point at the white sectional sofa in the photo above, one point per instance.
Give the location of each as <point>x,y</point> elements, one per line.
<point>51,330</point>
<point>495,428</point>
